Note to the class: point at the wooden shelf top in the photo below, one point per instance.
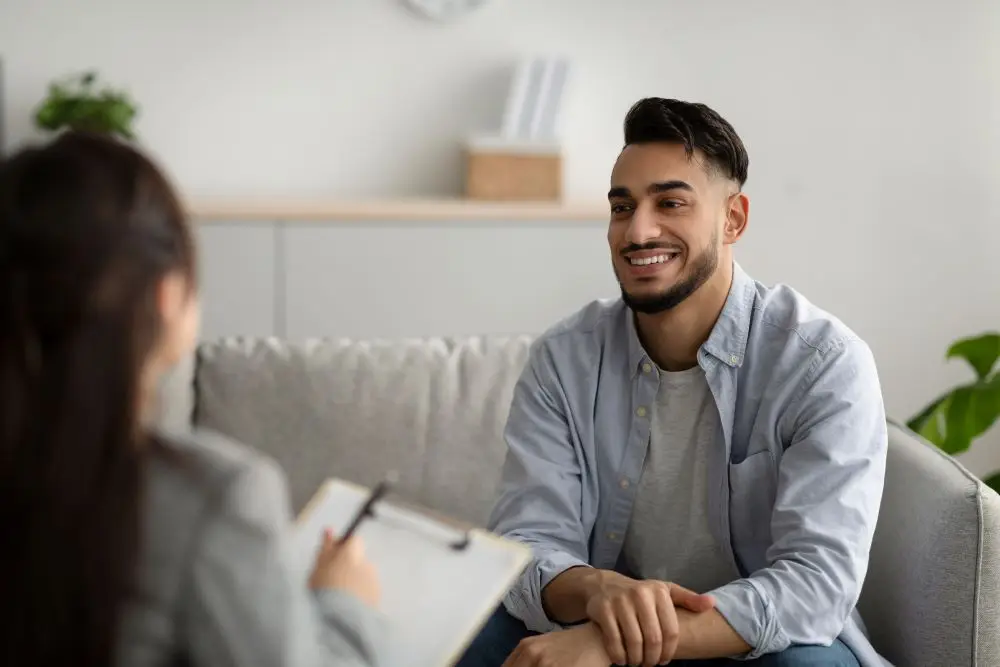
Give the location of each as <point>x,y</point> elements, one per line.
<point>393,210</point>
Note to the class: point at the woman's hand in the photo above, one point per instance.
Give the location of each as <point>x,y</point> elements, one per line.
<point>344,566</point>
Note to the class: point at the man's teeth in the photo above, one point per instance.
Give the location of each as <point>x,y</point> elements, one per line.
<point>644,261</point>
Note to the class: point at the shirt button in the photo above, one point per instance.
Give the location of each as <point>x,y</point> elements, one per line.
<point>640,411</point>
<point>624,483</point>
<point>613,537</point>
<point>647,368</point>
<point>734,358</point>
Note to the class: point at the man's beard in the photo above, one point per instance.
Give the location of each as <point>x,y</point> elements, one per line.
<point>703,269</point>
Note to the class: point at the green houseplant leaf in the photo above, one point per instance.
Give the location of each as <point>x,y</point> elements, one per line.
<point>77,104</point>
<point>927,419</point>
<point>981,352</point>
<point>993,482</point>
<point>955,419</point>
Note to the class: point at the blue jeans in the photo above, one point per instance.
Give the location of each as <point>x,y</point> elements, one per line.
<point>503,632</point>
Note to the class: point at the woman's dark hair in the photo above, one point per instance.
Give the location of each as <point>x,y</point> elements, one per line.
<point>692,125</point>
<point>88,228</point>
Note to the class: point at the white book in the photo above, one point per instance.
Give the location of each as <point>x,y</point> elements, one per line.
<point>440,580</point>
<point>532,98</point>
<point>517,96</point>
<point>542,93</point>
<point>548,121</point>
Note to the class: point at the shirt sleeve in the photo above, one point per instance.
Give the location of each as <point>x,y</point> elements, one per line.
<point>540,494</point>
<point>829,493</point>
<point>244,603</point>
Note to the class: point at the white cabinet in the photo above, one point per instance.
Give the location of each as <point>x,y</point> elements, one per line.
<point>238,264</point>
<point>382,280</point>
<point>398,278</point>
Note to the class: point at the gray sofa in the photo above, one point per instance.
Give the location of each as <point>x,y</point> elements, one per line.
<point>434,411</point>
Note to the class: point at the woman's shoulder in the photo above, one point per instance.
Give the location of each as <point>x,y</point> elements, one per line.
<point>212,450</point>
<point>208,473</point>
<point>203,492</point>
<point>208,459</point>
<point>200,483</point>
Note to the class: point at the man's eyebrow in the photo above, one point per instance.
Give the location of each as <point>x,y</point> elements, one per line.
<point>622,192</point>
<point>667,186</point>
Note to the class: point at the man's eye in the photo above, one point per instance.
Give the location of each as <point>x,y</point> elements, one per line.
<point>620,208</point>
<point>671,203</point>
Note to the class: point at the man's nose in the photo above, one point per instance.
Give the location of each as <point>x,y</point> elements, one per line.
<point>644,226</point>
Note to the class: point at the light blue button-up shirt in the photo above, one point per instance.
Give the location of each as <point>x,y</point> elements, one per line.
<point>796,477</point>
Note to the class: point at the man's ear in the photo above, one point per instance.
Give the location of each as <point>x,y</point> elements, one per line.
<point>737,217</point>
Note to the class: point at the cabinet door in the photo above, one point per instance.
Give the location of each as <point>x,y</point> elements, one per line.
<point>381,280</point>
<point>238,276</point>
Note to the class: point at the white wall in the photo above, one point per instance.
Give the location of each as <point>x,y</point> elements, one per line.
<point>875,155</point>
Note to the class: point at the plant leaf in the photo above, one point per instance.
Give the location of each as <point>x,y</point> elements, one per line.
<point>959,421</point>
<point>964,415</point>
<point>932,428</point>
<point>993,482</point>
<point>980,351</point>
<point>916,423</point>
<point>78,103</point>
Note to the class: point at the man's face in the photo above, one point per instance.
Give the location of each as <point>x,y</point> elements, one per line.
<point>668,214</point>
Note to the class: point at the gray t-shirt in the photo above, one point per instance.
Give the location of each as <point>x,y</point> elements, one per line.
<point>669,537</point>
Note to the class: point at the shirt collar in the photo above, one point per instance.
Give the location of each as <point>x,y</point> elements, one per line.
<point>728,340</point>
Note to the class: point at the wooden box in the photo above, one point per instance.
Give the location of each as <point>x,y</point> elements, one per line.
<point>513,172</point>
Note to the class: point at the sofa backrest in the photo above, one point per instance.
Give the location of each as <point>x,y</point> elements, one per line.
<point>431,410</point>
<point>434,411</point>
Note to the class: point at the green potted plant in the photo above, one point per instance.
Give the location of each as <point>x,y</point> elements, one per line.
<point>956,418</point>
<point>78,103</point>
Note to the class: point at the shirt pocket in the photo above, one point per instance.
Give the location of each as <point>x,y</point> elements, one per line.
<point>752,490</point>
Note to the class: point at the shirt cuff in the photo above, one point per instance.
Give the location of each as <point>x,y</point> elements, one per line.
<point>752,616</point>
<point>524,601</point>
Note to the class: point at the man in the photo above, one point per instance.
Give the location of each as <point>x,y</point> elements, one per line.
<point>697,466</point>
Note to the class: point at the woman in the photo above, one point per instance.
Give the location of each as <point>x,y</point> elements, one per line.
<point>116,545</point>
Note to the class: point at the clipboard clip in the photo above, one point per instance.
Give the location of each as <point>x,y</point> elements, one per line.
<point>460,544</point>
<point>367,511</point>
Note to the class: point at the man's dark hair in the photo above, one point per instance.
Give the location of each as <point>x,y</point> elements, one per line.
<point>693,125</point>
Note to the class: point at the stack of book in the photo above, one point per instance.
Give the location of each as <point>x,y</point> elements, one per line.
<point>523,159</point>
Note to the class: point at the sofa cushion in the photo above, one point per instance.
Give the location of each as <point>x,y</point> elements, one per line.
<point>932,595</point>
<point>433,410</point>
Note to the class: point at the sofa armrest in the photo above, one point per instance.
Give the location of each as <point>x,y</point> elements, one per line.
<point>932,595</point>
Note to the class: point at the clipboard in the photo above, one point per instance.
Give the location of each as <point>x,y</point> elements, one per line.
<point>441,580</point>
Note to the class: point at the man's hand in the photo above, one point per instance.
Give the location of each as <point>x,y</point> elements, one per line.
<point>580,646</point>
<point>638,620</point>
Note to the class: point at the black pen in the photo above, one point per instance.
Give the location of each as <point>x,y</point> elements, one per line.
<point>366,509</point>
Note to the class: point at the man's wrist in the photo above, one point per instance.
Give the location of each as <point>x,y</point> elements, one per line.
<point>566,597</point>
<point>706,635</point>
<point>591,580</point>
